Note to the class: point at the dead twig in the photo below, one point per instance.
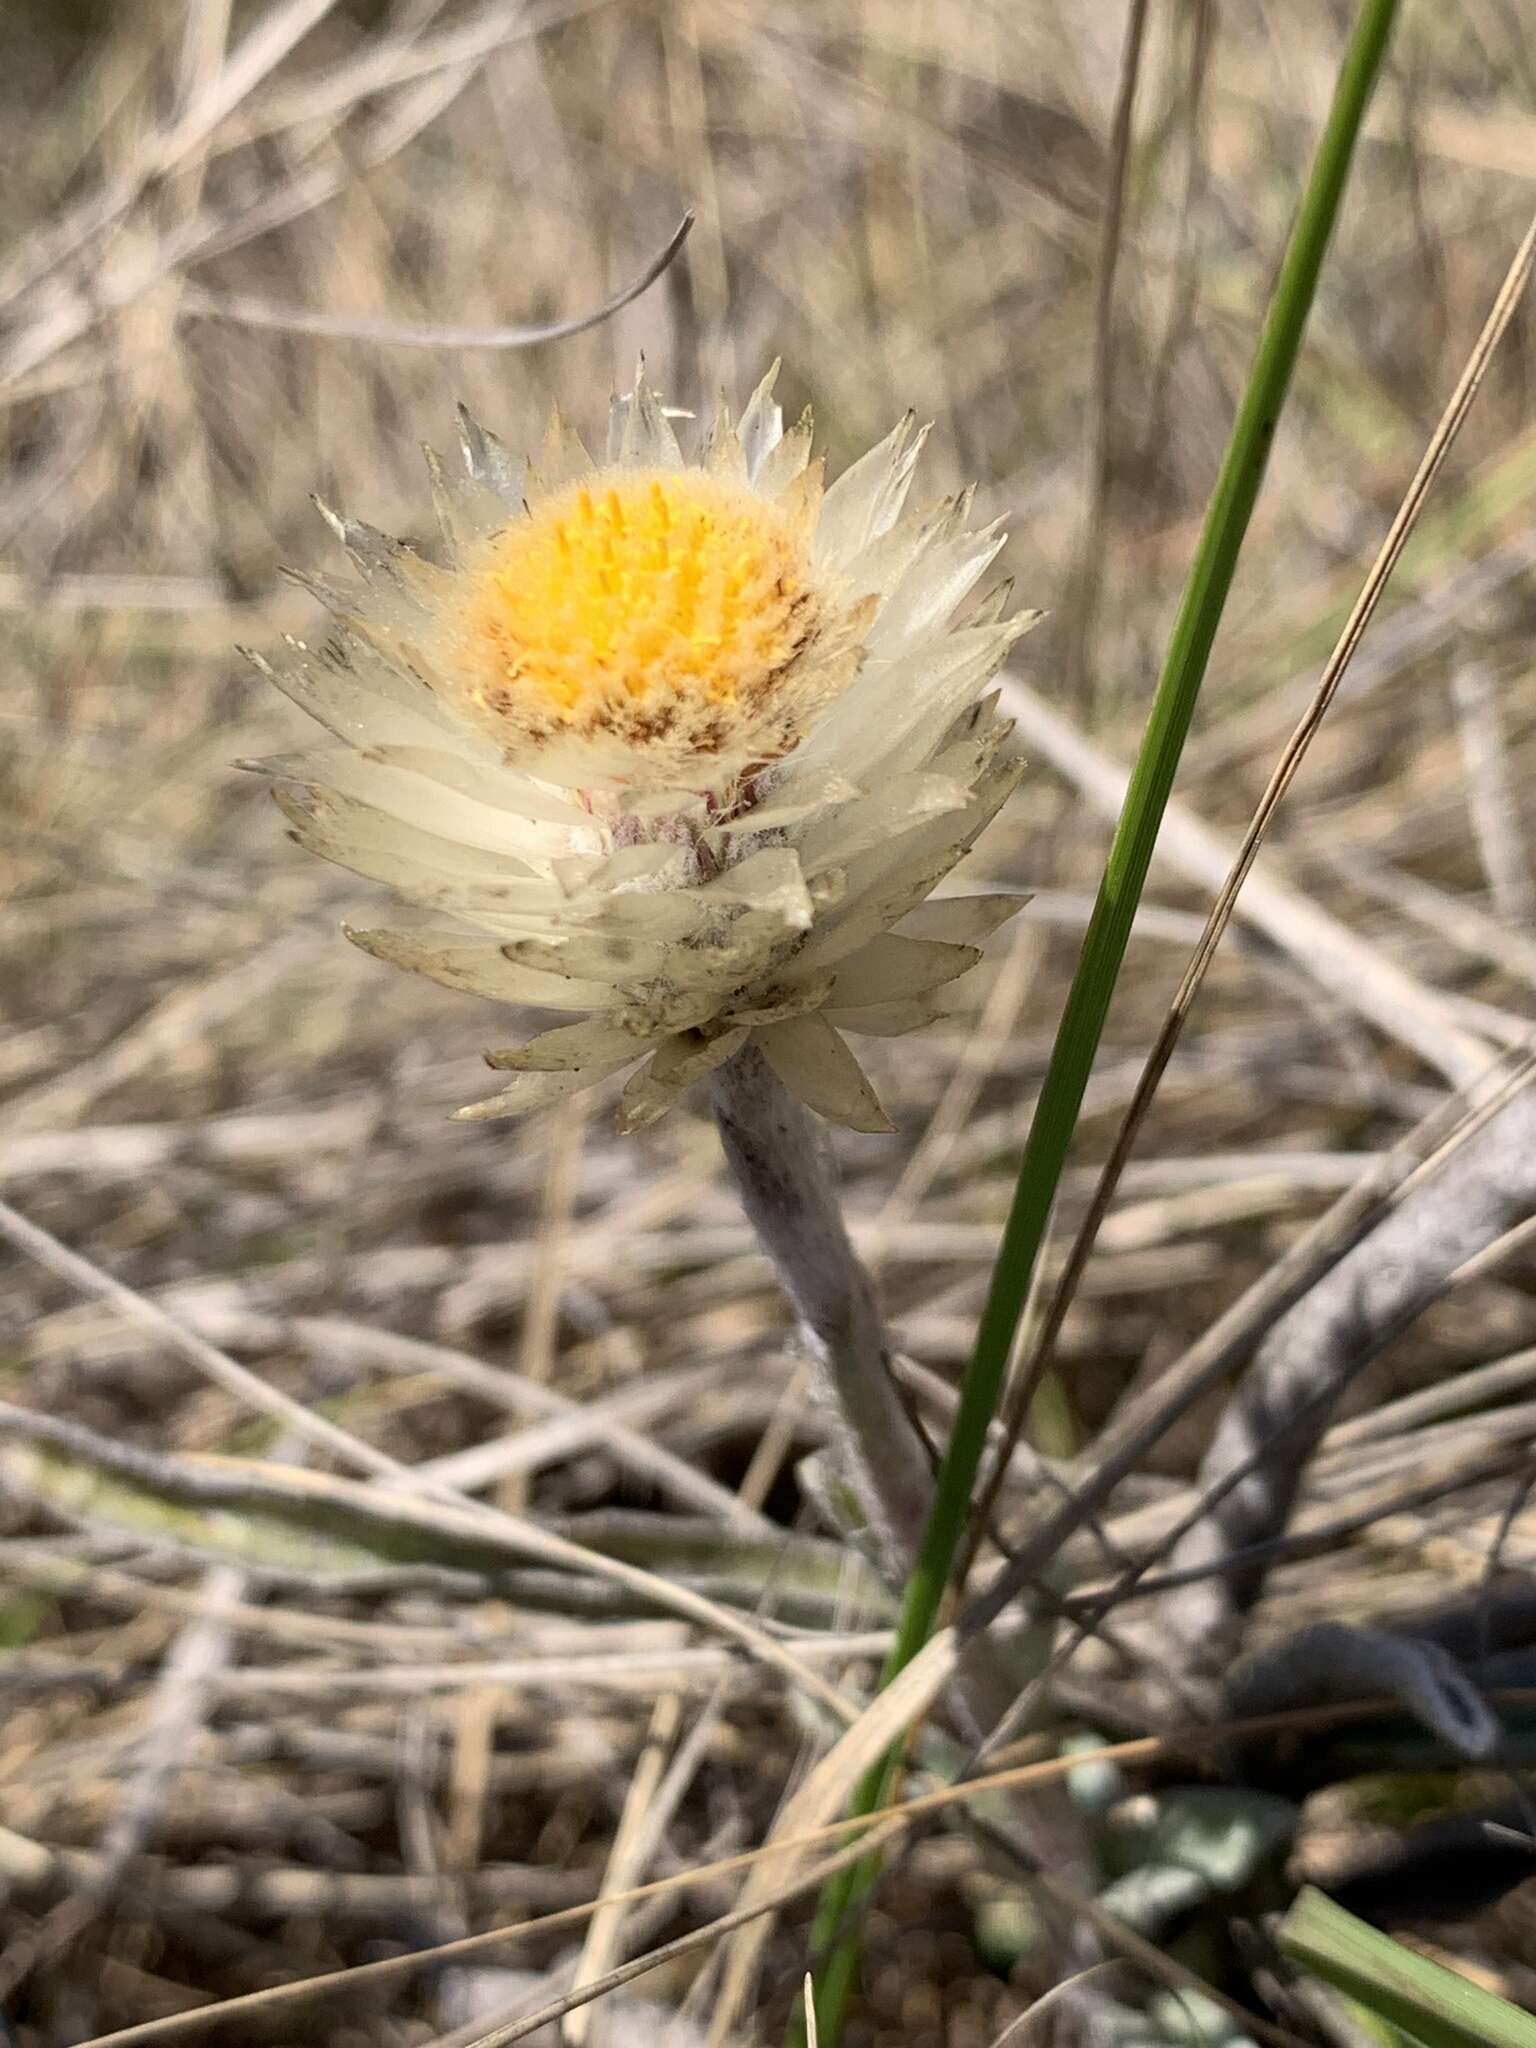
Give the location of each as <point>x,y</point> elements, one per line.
<point>246,311</point>
<point>1283,1404</point>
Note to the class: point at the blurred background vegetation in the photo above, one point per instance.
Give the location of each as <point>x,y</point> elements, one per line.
<point>205,1089</point>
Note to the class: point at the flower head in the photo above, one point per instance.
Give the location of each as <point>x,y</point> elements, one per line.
<point>679,747</point>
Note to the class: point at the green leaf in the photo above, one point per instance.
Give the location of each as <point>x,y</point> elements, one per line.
<point>1428,2001</point>
<point>1093,985</point>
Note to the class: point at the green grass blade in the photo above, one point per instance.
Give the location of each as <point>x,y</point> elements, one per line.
<point>1082,1021</point>
<point>1423,1998</point>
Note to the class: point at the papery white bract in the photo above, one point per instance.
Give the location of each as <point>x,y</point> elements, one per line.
<point>680,748</point>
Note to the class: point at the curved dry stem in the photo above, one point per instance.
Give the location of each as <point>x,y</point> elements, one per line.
<point>1287,1396</point>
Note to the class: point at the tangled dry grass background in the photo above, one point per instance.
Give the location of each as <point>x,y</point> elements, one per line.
<point>215,1779</point>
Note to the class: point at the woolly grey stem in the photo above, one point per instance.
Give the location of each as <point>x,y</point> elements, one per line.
<point>1337,1660</point>
<point>776,1154</point>
<point>1285,1399</point>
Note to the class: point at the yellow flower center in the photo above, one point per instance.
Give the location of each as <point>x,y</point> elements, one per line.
<point>640,605</point>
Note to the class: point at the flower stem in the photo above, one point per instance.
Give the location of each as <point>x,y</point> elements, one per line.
<point>776,1155</point>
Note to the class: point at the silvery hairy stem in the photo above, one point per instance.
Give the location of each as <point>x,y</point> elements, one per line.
<point>778,1159</point>
<point>1286,1398</point>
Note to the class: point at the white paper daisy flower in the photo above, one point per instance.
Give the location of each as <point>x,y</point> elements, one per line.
<point>679,747</point>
